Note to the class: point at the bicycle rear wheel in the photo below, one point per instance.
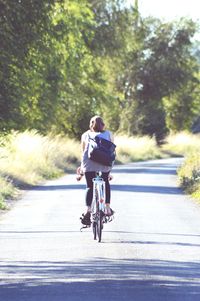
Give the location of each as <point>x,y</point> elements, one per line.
<point>99,225</point>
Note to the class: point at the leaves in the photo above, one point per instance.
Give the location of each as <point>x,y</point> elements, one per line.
<point>62,61</point>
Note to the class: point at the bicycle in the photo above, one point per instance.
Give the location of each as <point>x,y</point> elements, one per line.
<point>98,216</point>
<point>98,206</point>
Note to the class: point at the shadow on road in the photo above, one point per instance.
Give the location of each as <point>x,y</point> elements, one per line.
<point>158,171</point>
<point>59,187</point>
<point>114,187</point>
<point>148,168</point>
<point>147,189</point>
<point>166,243</point>
<point>101,279</point>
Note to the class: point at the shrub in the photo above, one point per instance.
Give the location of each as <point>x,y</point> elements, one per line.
<point>189,173</point>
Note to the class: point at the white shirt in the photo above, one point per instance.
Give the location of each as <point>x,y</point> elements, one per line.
<point>87,164</point>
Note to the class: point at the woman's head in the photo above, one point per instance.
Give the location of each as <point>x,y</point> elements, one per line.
<point>97,124</point>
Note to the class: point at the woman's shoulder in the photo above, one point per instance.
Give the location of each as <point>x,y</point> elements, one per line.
<point>85,135</point>
<point>107,135</point>
<point>89,134</point>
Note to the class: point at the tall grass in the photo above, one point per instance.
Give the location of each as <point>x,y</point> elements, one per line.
<point>7,190</point>
<point>182,143</point>
<point>136,149</point>
<point>188,145</point>
<point>28,158</point>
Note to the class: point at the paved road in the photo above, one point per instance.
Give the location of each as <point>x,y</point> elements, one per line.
<point>151,251</point>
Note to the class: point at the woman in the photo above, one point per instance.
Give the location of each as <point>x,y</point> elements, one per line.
<point>89,167</point>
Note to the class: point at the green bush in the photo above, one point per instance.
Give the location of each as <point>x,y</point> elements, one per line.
<point>188,145</point>
<point>7,190</point>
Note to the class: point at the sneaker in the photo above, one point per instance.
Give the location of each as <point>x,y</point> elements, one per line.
<point>108,211</point>
<point>85,219</point>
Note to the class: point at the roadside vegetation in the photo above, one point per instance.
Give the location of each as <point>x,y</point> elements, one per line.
<point>75,59</point>
<point>29,158</point>
<point>187,145</point>
<point>131,149</point>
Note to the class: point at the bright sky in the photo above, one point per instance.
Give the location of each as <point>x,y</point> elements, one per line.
<point>169,9</point>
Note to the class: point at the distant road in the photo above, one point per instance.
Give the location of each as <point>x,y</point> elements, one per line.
<point>150,252</point>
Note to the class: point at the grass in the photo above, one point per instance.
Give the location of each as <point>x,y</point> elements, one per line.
<point>28,158</point>
<point>188,145</point>
<point>182,143</point>
<point>7,191</point>
<point>131,149</point>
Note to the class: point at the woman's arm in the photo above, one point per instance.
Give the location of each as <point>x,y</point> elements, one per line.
<point>79,169</point>
<point>82,146</point>
<point>111,137</point>
<point>83,142</point>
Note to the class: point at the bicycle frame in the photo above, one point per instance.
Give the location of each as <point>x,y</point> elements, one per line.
<point>99,192</point>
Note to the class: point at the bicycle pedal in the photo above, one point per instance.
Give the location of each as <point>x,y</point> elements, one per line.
<point>109,219</point>
<point>105,219</point>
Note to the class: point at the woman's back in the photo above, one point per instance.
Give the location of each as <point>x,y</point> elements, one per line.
<point>87,164</point>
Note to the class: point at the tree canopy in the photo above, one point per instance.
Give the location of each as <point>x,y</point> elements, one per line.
<point>62,61</point>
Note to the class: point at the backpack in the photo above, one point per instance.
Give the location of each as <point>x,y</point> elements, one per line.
<point>101,151</point>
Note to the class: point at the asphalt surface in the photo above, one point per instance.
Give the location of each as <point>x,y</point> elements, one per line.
<point>151,251</point>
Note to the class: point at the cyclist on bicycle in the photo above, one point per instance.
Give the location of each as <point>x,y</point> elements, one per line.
<point>89,168</point>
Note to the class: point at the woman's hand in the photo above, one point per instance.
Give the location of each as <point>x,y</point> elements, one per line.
<point>79,173</point>
<point>110,177</point>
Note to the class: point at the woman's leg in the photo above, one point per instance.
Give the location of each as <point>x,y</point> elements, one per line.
<point>107,186</point>
<point>89,188</point>
<point>108,210</point>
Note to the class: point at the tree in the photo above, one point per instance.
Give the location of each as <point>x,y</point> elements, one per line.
<point>50,77</point>
<point>63,61</point>
<point>162,65</point>
<point>183,106</point>
<point>22,25</point>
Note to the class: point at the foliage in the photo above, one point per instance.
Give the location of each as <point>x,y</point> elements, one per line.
<point>161,66</point>
<point>7,191</point>
<point>189,173</point>
<point>182,106</point>
<point>22,26</point>
<point>62,61</point>
<point>27,158</point>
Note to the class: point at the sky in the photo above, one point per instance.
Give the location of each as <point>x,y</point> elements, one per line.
<point>169,9</point>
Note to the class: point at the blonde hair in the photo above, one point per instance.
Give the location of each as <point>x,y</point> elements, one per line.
<point>96,124</point>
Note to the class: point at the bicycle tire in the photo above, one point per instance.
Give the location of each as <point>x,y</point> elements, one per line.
<point>94,229</point>
<point>99,225</point>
